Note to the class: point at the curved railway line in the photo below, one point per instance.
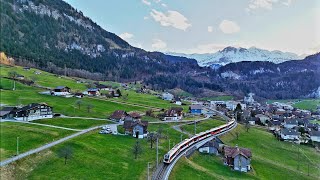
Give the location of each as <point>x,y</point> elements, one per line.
<point>163,170</point>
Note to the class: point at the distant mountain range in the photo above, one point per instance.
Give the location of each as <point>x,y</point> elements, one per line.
<point>55,37</point>
<point>232,54</point>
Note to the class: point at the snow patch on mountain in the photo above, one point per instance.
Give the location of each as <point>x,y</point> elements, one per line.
<point>232,54</point>
<point>230,74</point>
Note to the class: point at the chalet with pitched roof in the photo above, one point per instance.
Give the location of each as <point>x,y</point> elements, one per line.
<point>61,91</point>
<point>289,134</point>
<point>173,114</point>
<point>138,129</point>
<point>119,116</point>
<point>237,158</point>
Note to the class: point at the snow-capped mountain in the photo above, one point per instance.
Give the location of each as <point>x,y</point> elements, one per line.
<point>232,54</point>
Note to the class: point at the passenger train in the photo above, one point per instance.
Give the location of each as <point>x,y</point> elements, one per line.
<point>175,151</point>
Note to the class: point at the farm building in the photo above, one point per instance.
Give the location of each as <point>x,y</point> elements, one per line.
<point>138,129</point>
<point>289,134</point>
<point>119,116</point>
<point>173,114</point>
<point>211,147</point>
<point>167,96</point>
<point>237,158</point>
<point>196,109</point>
<point>30,112</point>
<point>61,91</point>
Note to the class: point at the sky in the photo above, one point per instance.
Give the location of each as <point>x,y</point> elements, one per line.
<point>206,26</point>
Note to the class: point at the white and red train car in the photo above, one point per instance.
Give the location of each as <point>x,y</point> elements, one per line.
<point>172,154</point>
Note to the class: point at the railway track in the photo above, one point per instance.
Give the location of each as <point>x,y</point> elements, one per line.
<point>163,170</point>
<point>160,172</point>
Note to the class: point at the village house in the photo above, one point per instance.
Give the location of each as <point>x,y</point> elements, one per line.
<point>29,112</point>
<point>173,114</point>
<point>177,101</point>
<point>78,95</point>
<point>7,112</point>
<point>138,129</point>
<point>237,158</point>
<point>280,112</point>
<point>249,99</point>
<point>263,118</point>
<point>61,91</point>
<point>103,87</point>
<point>210,147</point>
<point>232,105</point>
<point>290,123</point>
<point>167,96</point>
<point>289,134</point>
<point>274,125</point>
<point>196,109</point>
<point>20,77</point>
<point>134,116</point>
<point>26,68</point>
<point>315,136</point>
<point>93,92</point>
<point>119,116</point>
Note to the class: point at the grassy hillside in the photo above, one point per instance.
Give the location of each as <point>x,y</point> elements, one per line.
<point>76,123</point>
<point>271,159</point>
<point>67,106</point>
<point>95,156</point>
<point>308,104</point>
<point>30,136</point>
<point>203,126</point>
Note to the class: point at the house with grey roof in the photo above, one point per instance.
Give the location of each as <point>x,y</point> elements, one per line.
<point>289,134</point>
<point>237,158</point>
<point>290,123</point>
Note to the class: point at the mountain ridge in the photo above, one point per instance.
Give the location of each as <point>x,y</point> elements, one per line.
<point>231,54</point>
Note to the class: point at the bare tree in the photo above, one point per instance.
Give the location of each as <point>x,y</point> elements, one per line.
<point>137,149</point>
<point>65,152</point>
<point>237,135</point>
<point>89,107</point>
<point>79,103</point>
<point>247,126</point>
<point>152,137</point>
<point>13,75</point>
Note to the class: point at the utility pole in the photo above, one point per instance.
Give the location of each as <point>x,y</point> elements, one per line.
<point>157,152</point>
<point>17,145</point>
<point>148,178</point>
<point>14,84</point>
<point>195,127</point>
<point>65,70</point>
<point>180,137</point>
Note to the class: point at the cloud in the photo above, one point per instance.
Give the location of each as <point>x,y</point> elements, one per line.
<point>210,28</point>
<point>146,18</point>
<point>229,27</point>
<point>164,5</point>
<point>157,1</point>
<point>158,44</point>
<point>126,36</point>
<point>266,4</point>
<point>206,48</point>
<point>146,2</point>
<point>171,18</point>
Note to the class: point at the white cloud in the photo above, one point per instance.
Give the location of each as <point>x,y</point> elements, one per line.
<point>146,18</point>
<point>229,27</point>
<point>266,4</point>
<point>164,5</point>
<point>210,28</point>
<point>158,44</point>
<point>157,1</point>
<point>146,2</point>
<point>126,36</point>
<point>171,18</point>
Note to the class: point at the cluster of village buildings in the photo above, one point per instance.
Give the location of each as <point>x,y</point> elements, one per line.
<point>97,91</point>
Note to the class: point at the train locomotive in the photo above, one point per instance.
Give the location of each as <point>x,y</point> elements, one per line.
<point>175,151</point>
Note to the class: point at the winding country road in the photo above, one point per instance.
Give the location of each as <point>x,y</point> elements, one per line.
<point>33,151</point>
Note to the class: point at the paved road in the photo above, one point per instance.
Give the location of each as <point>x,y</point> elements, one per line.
<point>33,151</point>
<point>182,121</point>
<point>75,117</point>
